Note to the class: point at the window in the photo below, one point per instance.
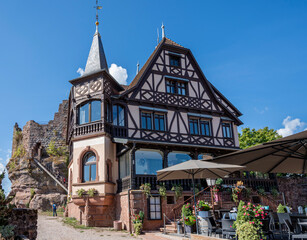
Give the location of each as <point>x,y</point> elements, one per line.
<point>108,114</point>
<point>89,167</point>
<point>89,112</point>
<point>154,208</point>
<point>170,200</point>
<point>148,162</point>
<point>177,157</point>
<point>174,61</point>
<point>118,115</point>
<point>159,122</point>
<point>170,86</point>
<point>205,128</point>
<point>124,165</point>
<point>176,87</point>
<point>200,126</point>
<point>193,126</point>
<point>146,120</point>
<point>227,132</point>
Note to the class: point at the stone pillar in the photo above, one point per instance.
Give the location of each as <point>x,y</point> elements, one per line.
<point>86,212</point>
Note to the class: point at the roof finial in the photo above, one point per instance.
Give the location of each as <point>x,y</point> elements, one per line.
<point>163,30</point>
<point>97,20</point>
<point>137,68</point>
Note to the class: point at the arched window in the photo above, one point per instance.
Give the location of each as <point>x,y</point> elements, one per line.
<point>118,115</point>
<point>89,167</point>
<point>89,112</point>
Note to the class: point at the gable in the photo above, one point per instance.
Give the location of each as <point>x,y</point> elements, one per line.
<point>150,84</point>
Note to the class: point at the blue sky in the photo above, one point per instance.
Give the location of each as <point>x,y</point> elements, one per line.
<point>254,52</point>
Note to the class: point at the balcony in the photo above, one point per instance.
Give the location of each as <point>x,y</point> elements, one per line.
<point>88,128</point>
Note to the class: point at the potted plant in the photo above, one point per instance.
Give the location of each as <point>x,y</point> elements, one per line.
<point>178,191</point>
<point>162,190</point>
<point>146,187</point>
<point>203,208</point>
<point>138,222</point>
<point>188,218</point>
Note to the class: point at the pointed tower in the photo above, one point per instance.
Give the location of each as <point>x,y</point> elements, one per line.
<point>96,60</point>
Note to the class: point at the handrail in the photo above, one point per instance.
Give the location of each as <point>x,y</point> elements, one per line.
<point>164,216</point>
<point>180,205</point>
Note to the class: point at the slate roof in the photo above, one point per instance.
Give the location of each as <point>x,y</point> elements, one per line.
<point>96,59</point>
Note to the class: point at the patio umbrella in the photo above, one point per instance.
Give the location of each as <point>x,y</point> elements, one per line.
<point>285,155</point>
<point>196,169</point>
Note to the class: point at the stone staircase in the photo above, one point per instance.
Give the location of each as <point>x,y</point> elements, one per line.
<point>170,227</point>
<point>54,175</point>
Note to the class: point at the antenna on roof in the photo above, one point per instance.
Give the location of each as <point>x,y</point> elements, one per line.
<point>163,30</point>
<point>137,68</point>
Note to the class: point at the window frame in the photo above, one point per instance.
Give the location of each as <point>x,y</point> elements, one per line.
<point>153,115</point>
<point>176,85</point>
<point>230,130</point>
<point>201,121</point>
<point>149,207</point>
<point>117,115</point>
<point>90,167</point>
<point>173,57</point>
<point>89,111</point>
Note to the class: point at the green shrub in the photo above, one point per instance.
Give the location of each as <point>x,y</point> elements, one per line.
<point>7,231</point>
<point>187,214</point>
<point>201,205</point>
<point>54,151</point>
<point>18,137</point>
<point>138,228</point>
<point>247,231</point>
<point>20,152</point>
<point>274,192</point>
<point>261,191</point>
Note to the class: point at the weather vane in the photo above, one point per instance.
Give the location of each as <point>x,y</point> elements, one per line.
<point>97,8</point>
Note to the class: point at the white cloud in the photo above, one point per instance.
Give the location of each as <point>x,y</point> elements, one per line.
<point>291,126</point>
<point>119,73</point>
<point>80,71</point>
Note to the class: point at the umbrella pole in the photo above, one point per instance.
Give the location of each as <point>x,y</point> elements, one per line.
<point>195,203</point>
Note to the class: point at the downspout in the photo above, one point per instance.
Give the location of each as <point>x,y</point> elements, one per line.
<point>129,190</point>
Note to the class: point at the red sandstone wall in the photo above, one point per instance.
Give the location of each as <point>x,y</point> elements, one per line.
<point>295,190</point>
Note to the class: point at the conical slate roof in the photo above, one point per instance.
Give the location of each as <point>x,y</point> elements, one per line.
<point>96,59</point>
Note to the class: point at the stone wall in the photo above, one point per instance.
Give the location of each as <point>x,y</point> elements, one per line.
<point>295,190</point>
<point>34,140</point>
<point>25,222</point>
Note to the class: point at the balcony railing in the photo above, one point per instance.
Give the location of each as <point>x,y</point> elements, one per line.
<point>267,184</point>
<point>88,128</point>
<point>120,132</point>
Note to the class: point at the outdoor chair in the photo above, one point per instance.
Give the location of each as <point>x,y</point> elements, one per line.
<point>227,229</point>
<point>266,229</point>
<point>302,228</point>
<point>274,221</point>
<point>212,227</point>
<point>291,232</point>
<point>281,218</point>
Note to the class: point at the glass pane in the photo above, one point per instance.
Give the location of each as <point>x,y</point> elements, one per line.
<point>162,123</point>
<point>121,116</point>
<point>86,173</point>
<point>195,127</point>
<point>149,122</point>
<point>89,157</point>
<point>157,200</point>
<point>115,122</point>
<point>93,172</point>
<point>152,200</point>
<point>148,162</point>
<point>157,125</point>
<point>152,215</point>
<point>191,128</point>
<point>143,122</point>
<point>158,208</point>
<point>158,215</point>
<point>124,165</point>
<point>175,158</point>
<point>152,208</point>
<point>95,111</point>
<point>83,114</point>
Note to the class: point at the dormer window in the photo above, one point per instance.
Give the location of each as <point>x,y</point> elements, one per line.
<point>174,61</point>
<point>89,112</point>
<point>176,87</point>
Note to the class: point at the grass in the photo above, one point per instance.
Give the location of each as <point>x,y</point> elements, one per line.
<point>74,223</point>
<point>50,213</point>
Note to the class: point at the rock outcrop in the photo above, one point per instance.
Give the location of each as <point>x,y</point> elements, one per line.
<point>44,143</point>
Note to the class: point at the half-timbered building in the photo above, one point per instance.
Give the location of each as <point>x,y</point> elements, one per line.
<point>119,136</point>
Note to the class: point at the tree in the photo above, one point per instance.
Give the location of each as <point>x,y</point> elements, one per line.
<point>252,137</point>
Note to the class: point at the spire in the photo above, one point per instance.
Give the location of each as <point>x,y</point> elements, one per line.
<point>163,30</point>
<point>96,59</point>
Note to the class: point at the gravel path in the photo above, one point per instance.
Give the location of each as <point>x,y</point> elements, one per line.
<point>52,228</point>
